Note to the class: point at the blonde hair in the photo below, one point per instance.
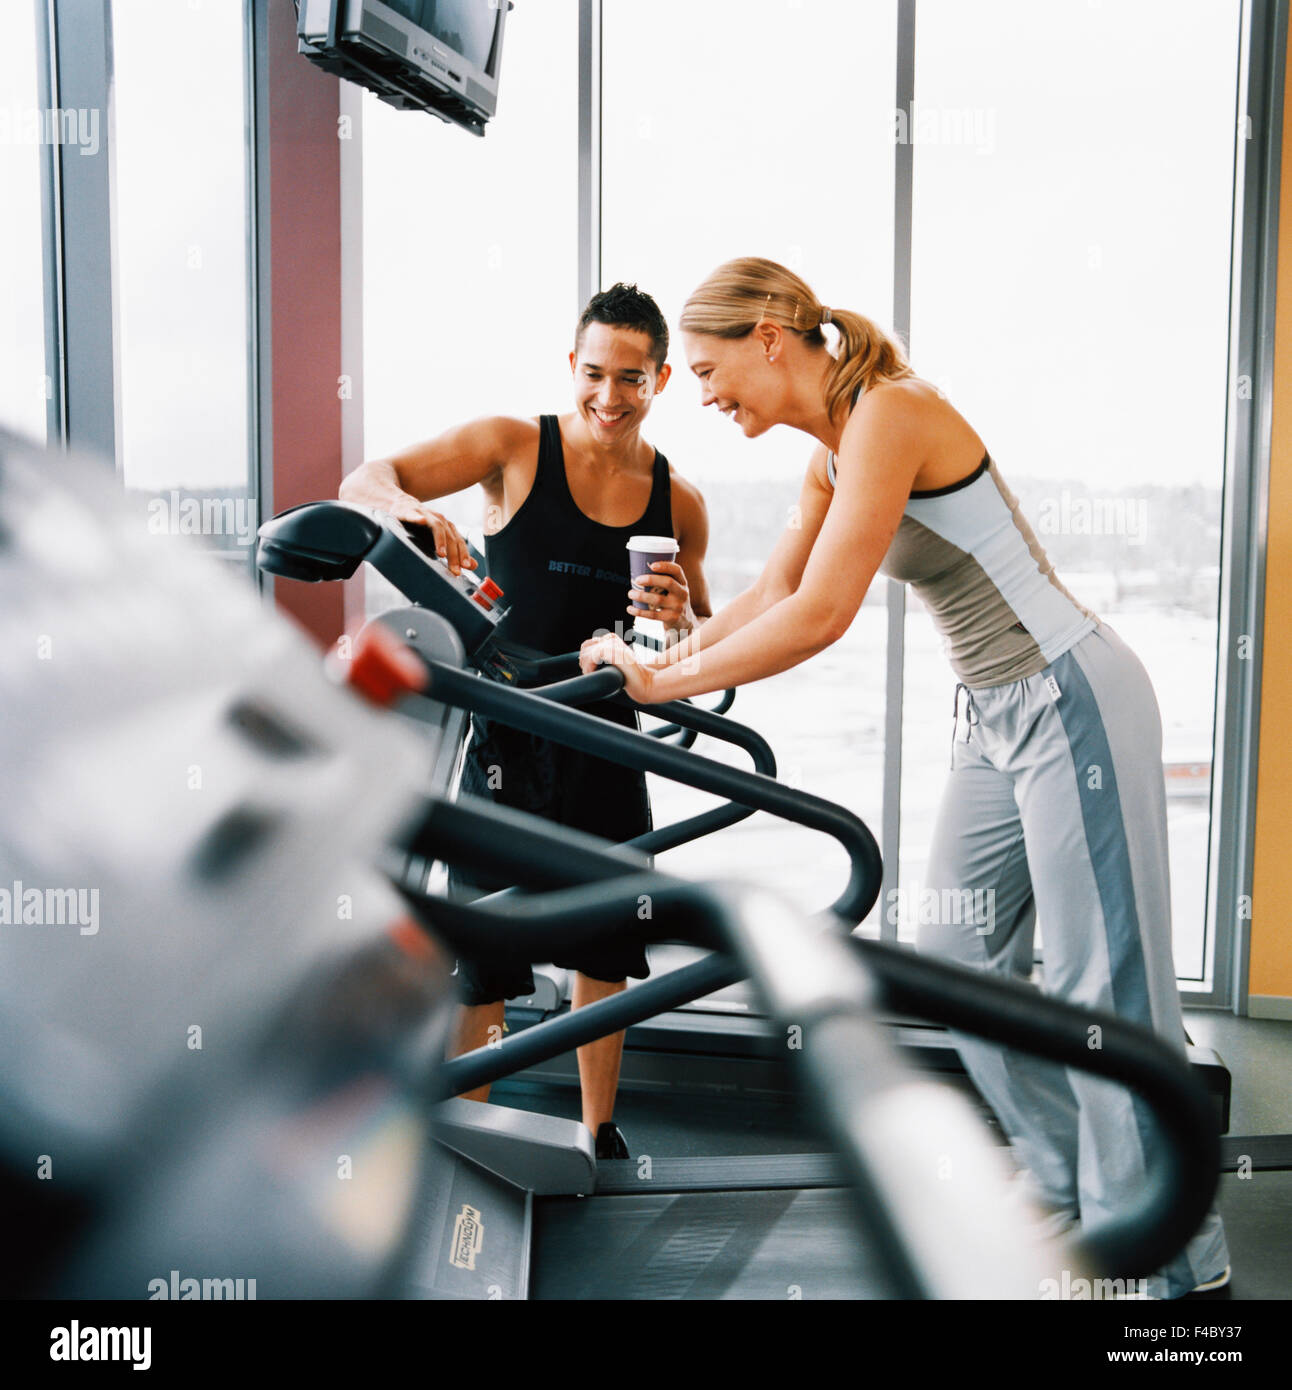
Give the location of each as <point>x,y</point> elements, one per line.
<point>741,294</point>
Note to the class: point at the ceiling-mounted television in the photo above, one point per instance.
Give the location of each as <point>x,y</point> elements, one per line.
<point>441,56</point>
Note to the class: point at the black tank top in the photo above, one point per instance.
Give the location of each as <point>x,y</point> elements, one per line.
<point>563,575</point>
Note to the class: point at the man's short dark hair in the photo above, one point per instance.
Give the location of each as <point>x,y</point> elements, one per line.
<point>625,306</point>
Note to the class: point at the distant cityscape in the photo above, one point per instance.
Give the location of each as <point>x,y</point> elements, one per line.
<point>1166,555</point>
<point>1148,547</point>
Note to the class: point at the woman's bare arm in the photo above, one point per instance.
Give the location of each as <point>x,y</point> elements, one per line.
<point>881,451</point>
<point>782,572</point>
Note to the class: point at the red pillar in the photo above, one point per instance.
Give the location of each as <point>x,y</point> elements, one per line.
<point>305,298</point>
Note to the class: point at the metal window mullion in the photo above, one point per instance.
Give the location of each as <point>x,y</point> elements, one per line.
<point>1248,432</point>
<point>81,44</point>
<point>589,151</point>
<point>86,364</point>
<point>260,400</point>
<point>51,204</point>
<point>903,205</point>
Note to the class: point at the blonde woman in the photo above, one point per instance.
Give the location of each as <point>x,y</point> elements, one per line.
<point>1055,802</point>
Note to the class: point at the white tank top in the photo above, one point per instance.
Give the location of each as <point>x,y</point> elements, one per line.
<point>969,553</point>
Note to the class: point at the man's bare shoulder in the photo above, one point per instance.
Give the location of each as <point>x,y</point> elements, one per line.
<point>509,434</point>
<point>509,442</point>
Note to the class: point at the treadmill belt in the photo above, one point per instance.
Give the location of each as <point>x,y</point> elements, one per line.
<point>702,1245</point>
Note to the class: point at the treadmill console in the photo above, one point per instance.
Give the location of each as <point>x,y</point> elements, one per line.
<point>329,540</point>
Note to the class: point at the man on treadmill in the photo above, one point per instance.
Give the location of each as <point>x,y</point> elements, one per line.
<point>563,495</point>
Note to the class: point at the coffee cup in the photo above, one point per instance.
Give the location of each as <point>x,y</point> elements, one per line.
<point>643,551</point>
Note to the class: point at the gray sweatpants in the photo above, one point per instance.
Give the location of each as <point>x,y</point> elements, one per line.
<point>1056,806</point>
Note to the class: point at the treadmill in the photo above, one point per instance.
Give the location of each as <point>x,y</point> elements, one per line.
<point>714,1037</point>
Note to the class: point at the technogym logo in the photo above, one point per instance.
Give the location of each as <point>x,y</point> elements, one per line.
<point>468,1238</point>
<point>22,906</point>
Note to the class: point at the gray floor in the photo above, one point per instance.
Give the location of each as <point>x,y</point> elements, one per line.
<point>1258,1209</point>
<point>1258,1053</point>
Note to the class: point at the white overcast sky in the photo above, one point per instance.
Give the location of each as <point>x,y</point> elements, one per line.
<point>1070,257</point>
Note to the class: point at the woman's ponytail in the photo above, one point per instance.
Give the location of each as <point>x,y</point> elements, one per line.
<point>866,354</point>
<point>743,293</point>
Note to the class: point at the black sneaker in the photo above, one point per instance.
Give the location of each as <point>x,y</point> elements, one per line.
<point>611,1143</point>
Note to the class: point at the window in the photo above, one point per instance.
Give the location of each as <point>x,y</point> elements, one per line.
<point>181,243</point>
<point>24,384</point>
<point>1071,260</point>
<point>758,127</point>
<point>470,255</point>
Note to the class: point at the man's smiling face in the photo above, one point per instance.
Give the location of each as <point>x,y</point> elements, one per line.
<point>615,380</point>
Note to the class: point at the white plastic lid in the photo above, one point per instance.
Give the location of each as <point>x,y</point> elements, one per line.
<point>653,543</point>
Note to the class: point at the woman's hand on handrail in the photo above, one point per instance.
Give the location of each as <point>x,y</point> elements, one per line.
<point>609,650</point>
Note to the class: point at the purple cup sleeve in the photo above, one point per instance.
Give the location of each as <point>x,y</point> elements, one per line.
<point>640,562</point>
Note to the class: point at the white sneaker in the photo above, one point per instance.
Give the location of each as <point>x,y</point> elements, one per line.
<point>1216,1282</point>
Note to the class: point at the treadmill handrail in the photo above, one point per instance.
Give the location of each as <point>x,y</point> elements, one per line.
<point>710,722</point>
<point>607,683</point>
<point>536,668</point>
<point>667,731</point>
<point>540,673</point>
<point>1017,1015</point>
<point>589,689</point>
<point>1179,1188</point>
<point>529,711</point>
<point>690,720</point>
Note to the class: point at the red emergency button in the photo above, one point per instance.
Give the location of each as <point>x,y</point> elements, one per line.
<point>486,594</point>
<point>383,669</point>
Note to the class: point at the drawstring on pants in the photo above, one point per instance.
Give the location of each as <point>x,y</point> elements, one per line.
<point>971,716</point>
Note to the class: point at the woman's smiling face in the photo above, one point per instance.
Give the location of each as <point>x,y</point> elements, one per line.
<point>735,374</point>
